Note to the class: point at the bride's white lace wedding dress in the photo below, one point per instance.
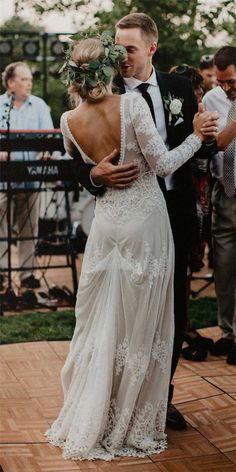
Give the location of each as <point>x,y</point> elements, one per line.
<point>116,376</point>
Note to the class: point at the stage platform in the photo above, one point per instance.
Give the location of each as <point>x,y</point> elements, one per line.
<point>31,396</point>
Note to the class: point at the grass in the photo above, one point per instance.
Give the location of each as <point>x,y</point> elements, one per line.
<point>203,312</point>
<point>37,326</point>
<point>59,325</point>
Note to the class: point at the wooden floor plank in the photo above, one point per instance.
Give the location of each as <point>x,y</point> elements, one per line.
<point>31,397</point>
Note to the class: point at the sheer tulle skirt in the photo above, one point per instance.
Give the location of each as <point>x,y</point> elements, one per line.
<point>116,376</point>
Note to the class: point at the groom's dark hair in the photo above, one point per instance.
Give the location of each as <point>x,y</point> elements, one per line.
<point>144,22</point>
<point>225,57</point>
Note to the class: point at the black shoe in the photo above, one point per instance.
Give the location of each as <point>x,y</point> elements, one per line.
<point>28,299</point>
<point>174,419</point>
<point>11,299</point>
<point>222,347</point>
<point>198,347</point>
<point>231,358</point>
<point>194,353</point>
<point>30,282</point>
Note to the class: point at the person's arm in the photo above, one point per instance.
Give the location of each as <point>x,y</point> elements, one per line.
<point>226,136</point>
<point>111,175</point>
<point>162,161</point>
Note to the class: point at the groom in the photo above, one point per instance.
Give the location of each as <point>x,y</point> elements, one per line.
<point>172,104</point>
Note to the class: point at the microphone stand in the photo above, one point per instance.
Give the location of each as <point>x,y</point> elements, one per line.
<point>9,189</point>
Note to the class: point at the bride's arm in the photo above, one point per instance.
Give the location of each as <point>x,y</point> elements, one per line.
<point>161,161</point>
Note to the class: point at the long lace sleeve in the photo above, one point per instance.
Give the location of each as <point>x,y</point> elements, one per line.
<point>161,161</point>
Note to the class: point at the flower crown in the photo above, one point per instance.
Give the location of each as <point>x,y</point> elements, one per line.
<point>98,70</point>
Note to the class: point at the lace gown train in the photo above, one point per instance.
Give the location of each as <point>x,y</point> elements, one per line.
<point>116,376</point>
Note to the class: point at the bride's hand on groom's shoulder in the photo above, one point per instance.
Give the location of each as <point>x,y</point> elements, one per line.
<point>108,173</point>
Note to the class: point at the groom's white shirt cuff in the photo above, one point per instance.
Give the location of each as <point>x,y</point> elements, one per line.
<point>92,182</point>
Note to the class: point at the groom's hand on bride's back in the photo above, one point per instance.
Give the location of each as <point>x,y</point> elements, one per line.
<point>108,173</point>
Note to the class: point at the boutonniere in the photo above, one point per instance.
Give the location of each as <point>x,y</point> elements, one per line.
<point>173,105</point>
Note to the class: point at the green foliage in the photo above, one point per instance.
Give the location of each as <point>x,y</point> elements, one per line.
<point>184,25</point>
<point>58,99</point>
<point>97,71</point>
<point>15,23</point>
<point>59,325</point>
<point>49,326</point>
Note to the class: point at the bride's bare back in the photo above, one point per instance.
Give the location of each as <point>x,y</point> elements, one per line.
<point>96,127</point>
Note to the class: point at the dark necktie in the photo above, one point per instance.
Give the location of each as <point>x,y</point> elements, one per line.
<point>143,89</point>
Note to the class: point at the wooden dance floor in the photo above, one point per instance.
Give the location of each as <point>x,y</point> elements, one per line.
<point>30,398</point>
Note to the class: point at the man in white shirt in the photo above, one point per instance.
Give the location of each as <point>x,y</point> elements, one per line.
<point>24,111</point>
<point>223,99</point>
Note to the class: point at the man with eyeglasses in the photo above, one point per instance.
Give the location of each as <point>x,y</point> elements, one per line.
<point>223,99</point>
<point>207,71</point>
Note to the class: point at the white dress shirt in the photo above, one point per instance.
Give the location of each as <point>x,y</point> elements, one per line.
<point>217,100</point>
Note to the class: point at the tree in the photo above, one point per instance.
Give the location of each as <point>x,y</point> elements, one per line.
<point>184,26</point>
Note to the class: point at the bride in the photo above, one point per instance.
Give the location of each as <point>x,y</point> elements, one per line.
<point>116,376</point>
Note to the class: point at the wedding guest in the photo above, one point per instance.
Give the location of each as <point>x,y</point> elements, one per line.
<point>197,346</point>
<point>27,112</point>
<point>223,99</point>
<point>207,71</point>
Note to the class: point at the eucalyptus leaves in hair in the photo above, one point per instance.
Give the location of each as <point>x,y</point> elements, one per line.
<point>99,70</point>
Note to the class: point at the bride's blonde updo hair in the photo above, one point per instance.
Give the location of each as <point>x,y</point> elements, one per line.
<point>83,52</point>
<point>90,67</point>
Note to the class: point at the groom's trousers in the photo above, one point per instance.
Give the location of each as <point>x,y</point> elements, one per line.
<point>182,230</point>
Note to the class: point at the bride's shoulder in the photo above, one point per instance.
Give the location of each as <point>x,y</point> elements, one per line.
<point>131,96</point>
<point>134,102</point>
<point>134,99</point>
<point>64,121</point>
<point>64,116</point>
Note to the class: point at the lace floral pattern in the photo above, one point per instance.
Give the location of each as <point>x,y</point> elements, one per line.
<point>138,201</point>
<point>160,351</point>
<point>138,362</point>
<point>148,267</point>
<point>160,160</point>
<point>121,356</point>
<point>149,264</point>
<point>137,426</point>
